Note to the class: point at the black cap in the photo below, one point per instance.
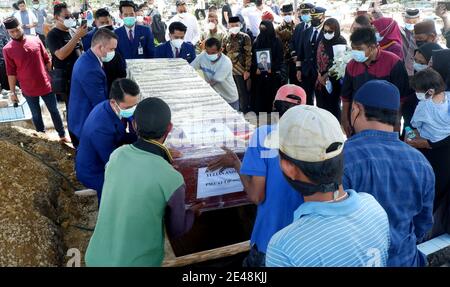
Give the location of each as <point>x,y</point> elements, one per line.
<point>318,10</point>
<point>152,116</point>
<point>234,19</point>
<point>427,50</point>
<point>306,6</point>
<point>11,23</point>
<point>180,2</point>
<point>286,8</point>
<point>412,13</point>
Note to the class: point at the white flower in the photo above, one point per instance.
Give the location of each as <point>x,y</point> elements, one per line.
<point>340,63</point>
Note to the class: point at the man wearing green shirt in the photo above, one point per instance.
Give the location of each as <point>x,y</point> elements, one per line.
<point>142,193</point>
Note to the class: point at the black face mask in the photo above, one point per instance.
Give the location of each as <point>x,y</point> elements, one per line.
<point>352,125</point>
<point>308,189</point>
<point>316,22</point>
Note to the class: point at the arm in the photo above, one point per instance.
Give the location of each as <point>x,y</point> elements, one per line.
<point>94,88</point>
<point>33,20</point>
<point>178,219</point>
<point>248,57</point>
<point>223,73</point>
<point>346,96</point>
<point>196,33</point>
<point>423,221</point>
<point>150,47</point>
<point>64,52</point>
<point>196,63</point>
<point>104,145</point>
<point>225,15</point>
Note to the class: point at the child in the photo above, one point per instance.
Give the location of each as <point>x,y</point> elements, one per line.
<point>432,116</point>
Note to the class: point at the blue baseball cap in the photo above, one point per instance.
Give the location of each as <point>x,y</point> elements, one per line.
<point>379,94</point>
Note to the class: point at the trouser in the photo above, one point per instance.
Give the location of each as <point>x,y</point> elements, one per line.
<point>254,258</point>
<point>330,102</point>
<point>3,76</point>
<point>42,37</point>
<point>244,96</point>
<point>35,108</point>
<point>292,73</point>
<point>308,84</point>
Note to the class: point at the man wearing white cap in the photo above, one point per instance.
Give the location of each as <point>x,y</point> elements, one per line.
<point>333,227</point>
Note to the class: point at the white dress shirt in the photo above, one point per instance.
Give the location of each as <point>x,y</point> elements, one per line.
<point>189,20</point>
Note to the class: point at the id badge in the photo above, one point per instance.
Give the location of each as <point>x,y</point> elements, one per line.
<point>140,51</point>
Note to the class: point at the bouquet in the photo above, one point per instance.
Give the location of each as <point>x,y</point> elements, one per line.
<point>342,56</point>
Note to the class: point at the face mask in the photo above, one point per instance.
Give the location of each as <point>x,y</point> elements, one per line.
<point>306,18</point>
<point>68,23</point>
<point>212,57</point>
<point>109,56</point>
<point>379,37</point>
<point>421,96</point>
<point>140,19</point>
<point>235,30</point>
<point>288,18</point>
<point>352,124</point>
<point>177,43</point>
<point>211,26</point>
<point>129,21</point>
<point>36,6</point>
<point>328,36</point>
<point>127,113</point>
<point>359,56</point>
<point>409,27</point>
<point>420,43</point>
<point>316,22</point>
<point>419,67</point>
<point>308,189</point>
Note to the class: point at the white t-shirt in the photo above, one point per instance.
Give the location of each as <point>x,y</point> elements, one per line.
<point>31,19</point>
<point>189,20</point>
<point>220,72</point>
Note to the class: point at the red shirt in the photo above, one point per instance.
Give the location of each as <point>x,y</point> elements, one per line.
<point>27,61</point>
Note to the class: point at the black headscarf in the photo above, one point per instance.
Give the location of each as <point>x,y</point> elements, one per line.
<point>441,63</point>
<point>337,39</point>
<point>267,37</point>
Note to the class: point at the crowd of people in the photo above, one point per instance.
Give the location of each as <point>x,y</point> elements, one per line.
<point>358,167</point>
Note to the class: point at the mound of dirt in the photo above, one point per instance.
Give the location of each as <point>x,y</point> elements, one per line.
<point>40,216</point>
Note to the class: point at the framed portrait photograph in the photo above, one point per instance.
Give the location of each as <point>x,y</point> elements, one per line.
<point>263,59</point>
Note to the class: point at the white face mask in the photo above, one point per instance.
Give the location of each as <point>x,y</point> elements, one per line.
<point>109,56</point>
<point>68,23</point>
<point>211,26</point>
<point>140,19</point>
<point>212,57</point>
<point>421,96</point>
<point>288,18</point>
<point>36,6</point>
<point>177,43</point>
<point>235,30</point>
<point>328,36</point>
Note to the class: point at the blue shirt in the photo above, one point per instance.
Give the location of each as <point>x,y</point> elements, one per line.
<point>103,132</point>
<point>350,233</point>
<point>281,200</point>
<point>402,181</point>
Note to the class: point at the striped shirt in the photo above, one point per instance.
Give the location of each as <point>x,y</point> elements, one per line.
<point>350,233</point>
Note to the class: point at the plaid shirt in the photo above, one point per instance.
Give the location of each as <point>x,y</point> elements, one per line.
<point>402,181</point>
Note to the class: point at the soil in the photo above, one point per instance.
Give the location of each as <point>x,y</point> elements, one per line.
<point>40,215</point>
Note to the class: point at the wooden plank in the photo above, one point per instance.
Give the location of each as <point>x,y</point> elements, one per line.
<point>207,255</point>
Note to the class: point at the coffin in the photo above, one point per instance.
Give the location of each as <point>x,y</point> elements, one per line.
<point>203,123</point>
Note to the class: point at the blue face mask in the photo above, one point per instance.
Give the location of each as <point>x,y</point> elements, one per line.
<point>306,18</point>
<point>419,67</point>
<point>127,113</point>
<point>109,56</point>
<point>379,37</point>
<point>129,21</point>
<point>212,57</point>
<point>409,27</point>
<point>359,56</point>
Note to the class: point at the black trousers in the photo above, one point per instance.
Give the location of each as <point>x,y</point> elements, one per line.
<point>42,37</point>
<point>3,76</point>
<point>244,95</point>
<point>308,83</point>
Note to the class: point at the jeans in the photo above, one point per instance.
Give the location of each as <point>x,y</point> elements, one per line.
<point>35,108</point>
<point>254,258</point>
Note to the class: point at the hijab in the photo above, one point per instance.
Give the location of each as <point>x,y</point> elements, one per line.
<point>389,30</point>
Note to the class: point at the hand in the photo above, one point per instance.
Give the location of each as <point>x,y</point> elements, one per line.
<point>81,31</point>
<point>299,76</point>
<point>175,153</point>
<point>418,142</point>
<point>196,208</point>
<point>258,72</point>
<point>246,76</point>
<point>14,97</point>
<point>441,11</point>
<point>228,160</point>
